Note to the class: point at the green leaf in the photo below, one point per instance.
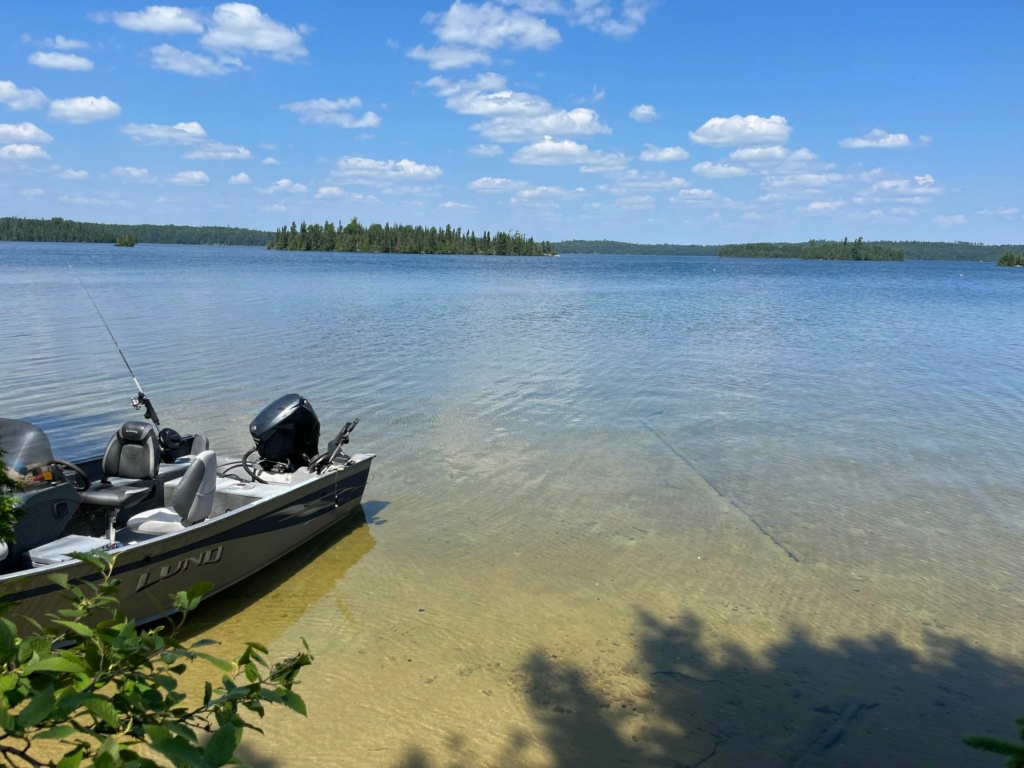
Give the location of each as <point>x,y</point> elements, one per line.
<point>103,710</point>
<point>54,664</point>
<point>60,579</point>
<point>57,732</point>
<point>294,702</point>
<point>8,644</point>
<point>221,746</point>
<point>174,748</point>
<point>223,666</point>
<point>38,708</point>
<point>198,590</point>
<point>98,560</point>
<point>79,629</point>
<point>72,759</point>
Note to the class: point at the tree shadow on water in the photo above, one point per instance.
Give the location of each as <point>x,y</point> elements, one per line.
<point>676,703</point>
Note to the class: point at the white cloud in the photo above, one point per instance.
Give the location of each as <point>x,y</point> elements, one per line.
<point>267,146</point>
<point>160,19</point>
<point>21,98</point>
<point>22,152</point>
<point>632,181</point>
<point>243,28</point>
<point>643,113</point>
<point>567,152</point>
<point>574,122</point>
<point>737,130</point>
<point>918,190</point>
<point>759,155</point>
<point>818,206</point>
<point>284,185</point>
<point>240,178</point>
<point>635,202</point>
<point>595,15</point>
<point>70,174</point>
<point>450,205</point>
<point>179,133</point>
<point>190,178</point>
<point>270,161</point>
<point>950,221</point>
<point>62,43</point>
<point>68,61</point>
<point>485,150</point>
<point>215,150</point>
<point>329,192</point>
<point>133,173</point>
<point>489,185</point>
<point>33,192</point>
<point>802,180</point>
<point>84,109</point>
<point>449,56</point>
<point>491,26</point>
<point>694,195</point>
<point>1004,212</point>
<point>364,170</point>
<point>654,154</point>
<point>275,208</point>
<point>327,112</point>
<point>719,170</point>
<point>80,200</point>
<point>534,193</point>
<point>877,139</point>
<point>171,59</point>
<point>24,133</point>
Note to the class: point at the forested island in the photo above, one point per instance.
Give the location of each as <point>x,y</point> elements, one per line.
<point>1009,259</point>
<point>826,250</point>
<point>59,230</point>
<point>403,238</point>
<point>634,249</point>
<point>125,241</point>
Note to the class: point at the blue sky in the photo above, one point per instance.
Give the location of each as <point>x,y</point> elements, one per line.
<point>638,120</point>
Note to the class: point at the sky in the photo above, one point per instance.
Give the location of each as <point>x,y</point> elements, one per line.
<point>637,120</point>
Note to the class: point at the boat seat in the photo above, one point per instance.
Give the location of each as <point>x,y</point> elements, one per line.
<point>132,459</point>
<point>60,551</point>
<point>191,503</point>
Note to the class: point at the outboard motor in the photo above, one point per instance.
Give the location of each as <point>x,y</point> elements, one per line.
<point>286,433</point>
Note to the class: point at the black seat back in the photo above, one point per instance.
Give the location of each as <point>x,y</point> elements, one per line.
<point>132,453</point>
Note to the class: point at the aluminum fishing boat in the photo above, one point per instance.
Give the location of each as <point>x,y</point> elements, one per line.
<point>171,511</point>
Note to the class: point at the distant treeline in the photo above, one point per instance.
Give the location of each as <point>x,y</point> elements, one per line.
<point>912,249</point>
<point>403,238</point>
<point>637,249</point>
<point>828,250</point>
<point>1011,260</point>
<point>67,231</point>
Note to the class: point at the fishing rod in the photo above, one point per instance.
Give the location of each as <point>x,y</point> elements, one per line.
<point>140,399</point>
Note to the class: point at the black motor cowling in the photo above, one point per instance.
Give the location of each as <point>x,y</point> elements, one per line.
<point>286,432</point>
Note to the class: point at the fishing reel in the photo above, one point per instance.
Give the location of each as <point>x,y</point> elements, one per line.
<point>141,400</point>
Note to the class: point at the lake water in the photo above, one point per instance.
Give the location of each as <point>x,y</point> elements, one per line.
<point>625,510</point>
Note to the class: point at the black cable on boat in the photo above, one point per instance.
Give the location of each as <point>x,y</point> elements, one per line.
<point>140,399</point>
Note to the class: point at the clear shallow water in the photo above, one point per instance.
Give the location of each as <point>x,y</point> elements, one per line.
<point>652,507</point>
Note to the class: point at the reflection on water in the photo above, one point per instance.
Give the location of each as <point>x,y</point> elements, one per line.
<point>639,510</point>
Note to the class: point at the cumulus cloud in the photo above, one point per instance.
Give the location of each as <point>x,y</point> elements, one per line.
<point>819,206</point>
<point>190,178</point>
<point>270,161</point>
<point>450,205</point>
<point>284,185</point>
<point>694,195</point>
<point>759,155</point>
<point>489,185</point>
<point>916,191</point>
<point>877,139</point>
<point>491,26</point>
<point>719,170</point>
<point>70,174</point>
<point>364,170</point>
<point>445,57</point>
<point>132,173</point>
<point>595,15</point>
<point>242,28</point>
<point>84,109</point>
<point>567,152</point>
<point>33,192</point>
<point>643,113</point>
<point>333,112</point>
<point>21,98</point>
<point>69,61</point>
<point>654,154</point>
<point>81,200</point>
<point>574,122</point>
<point>485,150</point>
<point>240,178</point>
<point>171,59</point>
<point>802,180</point>
<point>62,43</point>
<point>738,130</point>
<point>215,150</point>
<point>539,194</point>
<point>24,133</point>
<point>159,19</point>
<point>22,152</point>
<point>950,221</point>
<point>152,133</point>
<point>329,192</point>
<point>1003,212</point>
<point>633,181</point>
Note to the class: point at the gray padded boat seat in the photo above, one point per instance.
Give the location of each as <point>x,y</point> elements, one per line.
<point>131,461</point>
<point>191,503</point>
<point>59,551</point>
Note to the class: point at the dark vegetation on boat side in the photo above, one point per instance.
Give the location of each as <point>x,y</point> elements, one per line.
<point>827,250</point>
<point>403,238</point>
<point>1010,259</point>
<point>59,230</point>
<point>912,249</point>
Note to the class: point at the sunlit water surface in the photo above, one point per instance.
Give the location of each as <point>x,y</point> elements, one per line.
<point>625,510</point>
